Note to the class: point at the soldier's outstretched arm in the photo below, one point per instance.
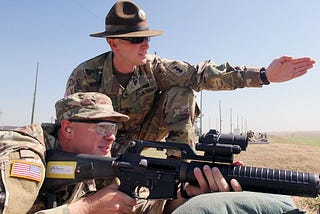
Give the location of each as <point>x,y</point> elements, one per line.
<point>286,68</point>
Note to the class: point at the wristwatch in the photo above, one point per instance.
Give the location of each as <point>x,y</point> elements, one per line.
<point>263,76</point>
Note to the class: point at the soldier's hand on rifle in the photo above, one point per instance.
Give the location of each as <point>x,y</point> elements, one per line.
<point>211,180</point>
<point>106,200</point>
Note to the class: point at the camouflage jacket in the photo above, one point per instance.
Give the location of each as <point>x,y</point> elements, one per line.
<point>22,160</point>
<point>150,79</point>
<point>28,145</point>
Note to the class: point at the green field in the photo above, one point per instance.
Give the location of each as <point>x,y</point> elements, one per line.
<point>299,138</point>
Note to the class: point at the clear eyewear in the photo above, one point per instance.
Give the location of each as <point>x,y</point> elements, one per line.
<point>106,128</point>
<point>102,127</point>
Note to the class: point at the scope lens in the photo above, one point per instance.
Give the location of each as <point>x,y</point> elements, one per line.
<point>241,140</point>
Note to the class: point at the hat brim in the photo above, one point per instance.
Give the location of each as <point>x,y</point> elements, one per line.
<point>144,33</point>
<point>110,116</point>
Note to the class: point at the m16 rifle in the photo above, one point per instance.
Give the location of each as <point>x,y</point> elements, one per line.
<point>161,177</point>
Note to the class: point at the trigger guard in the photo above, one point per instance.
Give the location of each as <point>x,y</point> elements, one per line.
<point>142,192</point>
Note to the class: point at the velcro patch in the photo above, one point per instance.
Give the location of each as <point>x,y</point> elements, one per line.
<point>27,170</point>
<point>177,69</point>
<point>61,169</point>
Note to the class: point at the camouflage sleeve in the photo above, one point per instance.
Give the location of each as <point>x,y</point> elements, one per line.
<point>22,168</point>
<point>77,82</point>
<point>205,75</point>
<point>86,77</point>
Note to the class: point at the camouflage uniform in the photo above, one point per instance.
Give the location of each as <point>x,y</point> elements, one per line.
<point>28,144</point>
<point>159,97</point>
<point>23,147</point>
<point>26,147</point>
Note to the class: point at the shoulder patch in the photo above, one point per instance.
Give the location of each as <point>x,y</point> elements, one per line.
<point>27,170</point>
<point>177,69</point>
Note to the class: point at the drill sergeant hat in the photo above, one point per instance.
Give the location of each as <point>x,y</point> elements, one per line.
<point>126,19</point>
<point>87,106</point>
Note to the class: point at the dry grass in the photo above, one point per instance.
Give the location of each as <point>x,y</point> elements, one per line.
<point>291,151</point>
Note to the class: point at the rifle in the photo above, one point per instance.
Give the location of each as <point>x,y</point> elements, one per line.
<point>161,177</point>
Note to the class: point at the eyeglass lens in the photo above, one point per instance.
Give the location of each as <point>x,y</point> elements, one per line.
<point>136,40</point>
<point>106,128</point>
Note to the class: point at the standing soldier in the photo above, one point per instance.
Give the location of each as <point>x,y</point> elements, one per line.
<point>158,93</point>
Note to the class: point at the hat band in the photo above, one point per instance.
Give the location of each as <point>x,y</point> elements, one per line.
<point>122,29</point>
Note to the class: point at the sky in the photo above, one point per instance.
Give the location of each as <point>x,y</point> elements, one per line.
<point>55,34</point>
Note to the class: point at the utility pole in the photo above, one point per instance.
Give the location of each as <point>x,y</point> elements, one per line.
<point>34,94</point>
<point>245,126</point>
<point>52,119</point>
<point>237,121</point>
<point>241,124</point>
<point>231,121</point>
<point>220,120</point>
<point>201,114</point>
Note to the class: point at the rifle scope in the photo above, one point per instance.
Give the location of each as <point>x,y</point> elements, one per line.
<point>213,137</point>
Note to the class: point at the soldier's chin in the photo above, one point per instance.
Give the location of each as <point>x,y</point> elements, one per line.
<point>103,151</point>
<point>143,59</point>
<point>142,62</point>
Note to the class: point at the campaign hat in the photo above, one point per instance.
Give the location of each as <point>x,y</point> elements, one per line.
<point>126,19</point>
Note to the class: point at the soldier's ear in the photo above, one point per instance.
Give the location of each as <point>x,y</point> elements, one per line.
<point>66,128</point>
<point>112,43</point>
<point>65,135</point>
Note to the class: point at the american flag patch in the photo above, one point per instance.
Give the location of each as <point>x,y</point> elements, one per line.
<point>26,170</point>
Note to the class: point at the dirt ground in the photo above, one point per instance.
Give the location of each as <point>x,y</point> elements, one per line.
<point>285,151</point>
<point>287,155</point>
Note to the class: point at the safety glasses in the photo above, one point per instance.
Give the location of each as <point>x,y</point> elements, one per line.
<point>102,127</point>
<point>135,40</point>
